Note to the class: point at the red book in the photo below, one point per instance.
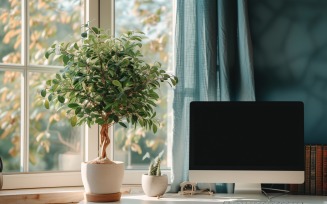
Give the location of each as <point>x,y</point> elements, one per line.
<point>324,169</point>
<point>307,170</point>
<point>293,188</point>
<point>318,169</point>
<point>301,186</point>
<point>300,189</point>
<point>313,170</point>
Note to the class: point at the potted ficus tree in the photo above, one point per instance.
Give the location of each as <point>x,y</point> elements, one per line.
<point>105,81</point>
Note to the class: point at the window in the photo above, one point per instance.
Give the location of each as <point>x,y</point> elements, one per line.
<point>33,140</point>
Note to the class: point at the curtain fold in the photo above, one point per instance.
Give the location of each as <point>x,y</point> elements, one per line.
<point>213,61</point>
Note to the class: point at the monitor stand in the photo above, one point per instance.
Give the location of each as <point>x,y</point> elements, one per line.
<point>247,188</point>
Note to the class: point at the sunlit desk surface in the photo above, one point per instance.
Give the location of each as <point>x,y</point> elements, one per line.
<point>216,198</point>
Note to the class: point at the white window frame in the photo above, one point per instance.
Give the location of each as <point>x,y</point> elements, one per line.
<point>100,13</point>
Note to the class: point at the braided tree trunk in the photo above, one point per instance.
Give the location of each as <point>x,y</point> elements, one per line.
<point>104,140</point>
<point>104,143</point>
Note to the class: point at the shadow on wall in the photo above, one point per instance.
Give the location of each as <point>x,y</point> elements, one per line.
<point>290,57</point>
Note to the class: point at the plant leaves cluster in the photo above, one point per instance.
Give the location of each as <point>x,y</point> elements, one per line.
<point>154,168</point>
<point>105,80</point>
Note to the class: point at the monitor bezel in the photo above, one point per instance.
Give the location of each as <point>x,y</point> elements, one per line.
<point>275,176</point>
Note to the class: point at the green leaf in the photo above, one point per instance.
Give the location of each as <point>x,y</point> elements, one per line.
<point>141,122</point>
<point>78,110</point>
<point>116,83</point>
<point>100,121</point>
<point>50,97</point>
<point>116,119</point>
<point>123,124</point>
<point>124,63</point>
<point>73,105</point>
<point>138,38</point>
<point>154,95</point>
<point>81,64</point>
<point>48,82</point>
<point>154,115</point>
<point>173,82</point>
<point>65,59</point>
<point>55,81</point>
<point>140,32</point>
<point>152,103</point>
<point>84,35</point>
<point>134,119</point>
<point>58,76</point>
<point>80,114</point>
<point>154,128</point>
<point>43,92</point>
<point>73,120</point>
<point>108,107</point>
<point>88,110</point>
<point>46,104</point>
<point>54,87</point>
<point>47,54</point>
<point>76,80</point>
<point>95,30</point>
<point>80,73</point>
<point>61,99</point>
<point>76,46</point>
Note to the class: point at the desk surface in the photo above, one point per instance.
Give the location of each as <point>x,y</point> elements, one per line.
<point>217,198</point>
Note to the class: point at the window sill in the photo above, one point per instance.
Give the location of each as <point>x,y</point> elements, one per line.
<point>42,195</point>
<point>54,195</point>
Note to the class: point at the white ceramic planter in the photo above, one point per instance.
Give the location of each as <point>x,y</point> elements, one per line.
<point>154,185</point>
<point>102,178</point>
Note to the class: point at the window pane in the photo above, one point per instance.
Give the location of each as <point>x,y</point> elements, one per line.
<point>65,16</point>
<point>53,143</point>
<point>10,31</point>
<point>10,120</point>
<point>154,18</point>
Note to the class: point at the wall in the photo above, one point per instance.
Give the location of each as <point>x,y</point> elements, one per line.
<point>290,57</point>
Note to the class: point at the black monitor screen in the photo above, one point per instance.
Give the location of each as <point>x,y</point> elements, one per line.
<point>246,136</point>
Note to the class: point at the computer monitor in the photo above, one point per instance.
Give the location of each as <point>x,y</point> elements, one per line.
<point>246,143</point>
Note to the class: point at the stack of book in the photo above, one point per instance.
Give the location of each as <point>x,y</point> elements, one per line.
<point>315,182</point>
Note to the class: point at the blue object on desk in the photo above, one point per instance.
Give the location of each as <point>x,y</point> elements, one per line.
<point>221,188</point>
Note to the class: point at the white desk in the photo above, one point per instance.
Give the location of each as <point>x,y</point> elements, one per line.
<point>217,198</point>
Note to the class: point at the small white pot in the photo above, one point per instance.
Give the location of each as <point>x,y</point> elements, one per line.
<point>154,185</point>
<point>102,178</point>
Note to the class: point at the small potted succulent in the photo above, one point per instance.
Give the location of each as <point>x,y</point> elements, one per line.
<point>105,81</point>
<point>154,184</point>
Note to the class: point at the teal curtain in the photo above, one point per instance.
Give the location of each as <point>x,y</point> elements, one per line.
<point>213,60</point>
